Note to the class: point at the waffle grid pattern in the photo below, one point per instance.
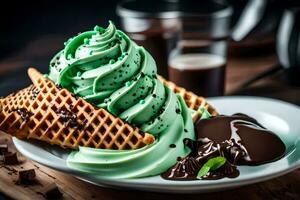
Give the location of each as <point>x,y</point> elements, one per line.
<point>95,128</point>
<point>192,100</point>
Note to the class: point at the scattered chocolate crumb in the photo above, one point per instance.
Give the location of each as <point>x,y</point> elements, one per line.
<point>35,93</point>
<point>27,177</point>
<point>11,158</point>
<point>75,96</point>
<point>51,191</point>
<point>59,86</point>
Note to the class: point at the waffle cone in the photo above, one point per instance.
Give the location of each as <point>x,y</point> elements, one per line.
<point>48,113</point>
<point>193,101</point>
<point>45,112</point>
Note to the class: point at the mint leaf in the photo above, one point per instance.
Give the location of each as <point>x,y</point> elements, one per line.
<point>203,171</point>
<point>216,163</point>
<point>211,165</point>
<point>204,113</point>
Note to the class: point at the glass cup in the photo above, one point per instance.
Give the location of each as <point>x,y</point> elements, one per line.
<point>198,61</point>
<point>153,25</point>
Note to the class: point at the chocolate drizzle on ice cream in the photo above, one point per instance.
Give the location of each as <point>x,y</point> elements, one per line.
<point>239,138</point>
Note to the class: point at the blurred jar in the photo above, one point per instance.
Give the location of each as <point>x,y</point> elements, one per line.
<point>199,60</point>
<point>153,25</point>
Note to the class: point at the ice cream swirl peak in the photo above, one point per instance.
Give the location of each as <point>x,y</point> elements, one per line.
<point>106,68</point>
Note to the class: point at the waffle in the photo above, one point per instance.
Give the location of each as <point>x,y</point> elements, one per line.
<point>48,113</point>
<point>193,101</point>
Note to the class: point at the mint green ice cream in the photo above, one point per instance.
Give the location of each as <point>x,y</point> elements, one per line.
<point>107,69</point>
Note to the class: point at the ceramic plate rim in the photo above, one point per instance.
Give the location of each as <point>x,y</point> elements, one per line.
<point>170,186</point>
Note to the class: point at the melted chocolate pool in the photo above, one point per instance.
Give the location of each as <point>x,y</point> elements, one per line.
<point>239,138</point>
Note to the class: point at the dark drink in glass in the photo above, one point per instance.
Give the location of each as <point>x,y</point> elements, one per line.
<point>199,60</point>
<point>201,73</point>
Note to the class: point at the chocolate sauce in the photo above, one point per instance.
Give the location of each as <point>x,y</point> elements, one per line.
<point>69,118</point>
<point>24,113</point>
<point>202,151</point>
<point>239,138</point>
<point>252,143</point>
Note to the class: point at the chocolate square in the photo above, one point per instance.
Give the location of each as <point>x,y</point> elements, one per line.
<point>11,158</point>
<point>3,148</point>
<point>51,191</point>
<point>27,176</point>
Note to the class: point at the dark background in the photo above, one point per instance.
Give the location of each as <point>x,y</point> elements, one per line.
<point>24,21</point>
<point>26,24</point>
<point>33,31</point>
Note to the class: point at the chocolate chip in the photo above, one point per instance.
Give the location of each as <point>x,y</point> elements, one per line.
<point>51,191</point>
<point>185,130</point>
<point>11,158</point>
<point>58,86</point>
<point>172,145</point>
<point>154,95</point>
<point>177,111</point>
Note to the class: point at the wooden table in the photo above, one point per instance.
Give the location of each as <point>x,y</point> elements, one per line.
<point>239,69</point>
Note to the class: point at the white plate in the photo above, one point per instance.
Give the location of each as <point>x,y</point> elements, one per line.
<point>281,117</point>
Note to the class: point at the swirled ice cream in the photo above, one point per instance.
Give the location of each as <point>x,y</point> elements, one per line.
<point>106,68</point>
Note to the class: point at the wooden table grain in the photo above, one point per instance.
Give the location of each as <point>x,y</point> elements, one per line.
<point>238,70</point>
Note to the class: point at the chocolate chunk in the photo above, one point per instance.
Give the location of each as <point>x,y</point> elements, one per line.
<point>11,158</point>
<point>51,191</point>
<point>3,148</point>
<point>27,176</point>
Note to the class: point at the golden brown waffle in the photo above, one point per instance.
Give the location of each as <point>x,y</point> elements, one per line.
<point>51,114</point>
<point>192,100</point>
